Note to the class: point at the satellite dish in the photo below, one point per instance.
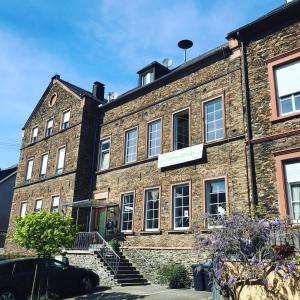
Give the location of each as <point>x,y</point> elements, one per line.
<point>185,44</point>
<point>167,62</point>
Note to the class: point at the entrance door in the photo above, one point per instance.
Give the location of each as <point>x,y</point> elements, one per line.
<point>102,222</point>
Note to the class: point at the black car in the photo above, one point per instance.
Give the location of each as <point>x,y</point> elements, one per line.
<point>17,278</point>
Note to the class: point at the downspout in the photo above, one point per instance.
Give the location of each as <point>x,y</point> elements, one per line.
<point>250,152</point>
<point>95,146</point>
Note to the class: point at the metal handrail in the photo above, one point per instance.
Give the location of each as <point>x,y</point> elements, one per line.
<point>94,241</point>
<point>138,252</point>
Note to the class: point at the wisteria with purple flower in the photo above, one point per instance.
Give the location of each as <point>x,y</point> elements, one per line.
<point>245,249</point>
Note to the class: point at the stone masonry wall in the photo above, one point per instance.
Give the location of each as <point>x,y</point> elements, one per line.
<point>148,262</point>
<point>87,260</point>
<point>269,44</point>
<point>62,184</point>
<point>225,158</point>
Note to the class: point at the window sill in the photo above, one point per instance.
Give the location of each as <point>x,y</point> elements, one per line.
<point>179,231</point>
<point>128,233</point>
<point>150,232</point>
<point>285,117</point>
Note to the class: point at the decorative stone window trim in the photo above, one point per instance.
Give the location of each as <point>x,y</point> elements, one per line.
<point>272,64</point>
<point>280,158</point>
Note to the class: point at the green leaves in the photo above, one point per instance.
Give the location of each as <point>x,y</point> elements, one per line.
<point>45,232</point>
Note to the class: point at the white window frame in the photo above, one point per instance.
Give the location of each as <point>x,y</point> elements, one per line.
<point>23,209</point>
<point>43,170</point>
<point>287,88</point>
<point>56,207</point>
<point>175,128</point>
<point>122,211</point>
<point>214,121</point>
<point>28,174</point>
<point>60,169</point>
<point>149,141</point>
<point>49,130</point>
<point>174,186</point>
<point>288,185</point>
<point>36,208</point>
<point>103,141</point>
<point>66,123</point>
<point>127,148</point>
<point>146,210</point>
<point>206,182</point>
<point>34,135</point>
<point>147,77</point>
<point>292,98</point>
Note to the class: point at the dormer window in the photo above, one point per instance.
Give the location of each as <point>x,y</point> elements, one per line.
<point>147,77</point>
<point>151,73</point>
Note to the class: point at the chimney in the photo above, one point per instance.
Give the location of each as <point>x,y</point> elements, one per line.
<point>98,90</point>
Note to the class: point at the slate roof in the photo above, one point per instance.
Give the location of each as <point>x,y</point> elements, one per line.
<point>286,11</point>
<point>7,172</point>
<point>74,88</point>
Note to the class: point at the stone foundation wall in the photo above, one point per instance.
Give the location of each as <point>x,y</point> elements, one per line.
<point>88,260</point>
<point>157,258</point>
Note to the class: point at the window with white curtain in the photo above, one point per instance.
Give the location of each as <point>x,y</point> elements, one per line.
<point>61,160</point>
<point>23,209</point>
<point>154,138</point>
<point>44,164</point>
<point>288,87</point>
<point>29,170</point>
<point>131,145</point>
<point>127,212</point>
<point>147,77</point>
<point>55,203</point>
<point>292,177</point>
<point>151,209</point>
<point>34,136</point>
<point>66,120</point>
<point>49,127</point>
<point>38,205</point>
<point>104,154</point>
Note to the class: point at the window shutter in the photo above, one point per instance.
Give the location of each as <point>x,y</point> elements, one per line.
<point>287,78</point>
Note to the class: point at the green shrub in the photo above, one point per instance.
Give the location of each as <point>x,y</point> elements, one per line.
<point>175,275</point>
<point>114,243</point>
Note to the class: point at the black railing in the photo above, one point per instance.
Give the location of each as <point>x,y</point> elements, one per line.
<point>95,242</point>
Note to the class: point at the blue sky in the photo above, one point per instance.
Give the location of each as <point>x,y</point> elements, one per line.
<point>104,40</point>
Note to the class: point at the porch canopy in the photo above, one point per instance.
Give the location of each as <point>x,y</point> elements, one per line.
<point>88,203</point>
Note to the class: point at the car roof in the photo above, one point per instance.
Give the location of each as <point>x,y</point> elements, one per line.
<point>12,261</point>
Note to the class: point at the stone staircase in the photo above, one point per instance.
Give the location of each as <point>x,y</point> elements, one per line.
<point>127,274</point>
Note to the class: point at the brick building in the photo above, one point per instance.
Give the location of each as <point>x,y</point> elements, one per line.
<point>216,135</point>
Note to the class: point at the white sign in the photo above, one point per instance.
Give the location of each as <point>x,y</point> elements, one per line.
<point>180,156</point>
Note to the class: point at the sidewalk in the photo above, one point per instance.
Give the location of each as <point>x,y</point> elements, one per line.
<point>148,292</point>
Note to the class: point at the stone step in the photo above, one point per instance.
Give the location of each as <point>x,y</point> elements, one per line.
<point>134,284</point>
<point>131,280</point>
<point>128,276</point>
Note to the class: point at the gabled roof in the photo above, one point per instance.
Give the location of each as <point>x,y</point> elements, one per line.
<point>78,91</point>
<point>283,13</point>
<point>8,172</point>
